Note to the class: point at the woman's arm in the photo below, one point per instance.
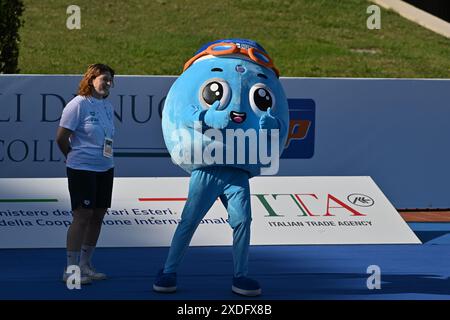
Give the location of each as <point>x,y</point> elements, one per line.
<point>62,139</point>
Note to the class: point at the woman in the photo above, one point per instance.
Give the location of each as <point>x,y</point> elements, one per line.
<point>85,137</point>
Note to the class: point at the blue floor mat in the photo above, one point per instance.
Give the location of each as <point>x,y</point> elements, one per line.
<point>285,272</point>
<point>432,233</point>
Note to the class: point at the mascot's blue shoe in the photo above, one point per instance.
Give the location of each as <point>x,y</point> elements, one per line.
<point>246,287</point>
<point>165,282</point>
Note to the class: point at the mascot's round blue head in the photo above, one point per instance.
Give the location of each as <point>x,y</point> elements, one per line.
<point>227,108</point>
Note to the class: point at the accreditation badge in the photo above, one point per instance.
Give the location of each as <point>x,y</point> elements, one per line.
<point>108,148</point>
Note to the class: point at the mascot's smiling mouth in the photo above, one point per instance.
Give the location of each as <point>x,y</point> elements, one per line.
<point>238,117</point>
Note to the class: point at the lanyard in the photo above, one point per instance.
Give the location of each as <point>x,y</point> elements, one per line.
<point>101,117</point>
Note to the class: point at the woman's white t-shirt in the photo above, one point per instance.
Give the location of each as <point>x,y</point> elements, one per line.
<point>91,120</point>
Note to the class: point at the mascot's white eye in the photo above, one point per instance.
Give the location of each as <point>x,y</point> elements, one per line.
<point>261,98</point>
<point>214,90</point>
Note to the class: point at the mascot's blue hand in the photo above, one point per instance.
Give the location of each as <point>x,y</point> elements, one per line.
<point>216,119</point>
<point>190,114</point>
<point>268,121</point>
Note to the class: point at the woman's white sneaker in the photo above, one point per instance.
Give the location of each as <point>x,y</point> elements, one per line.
<point>91,273</point>
<point>83,278</point>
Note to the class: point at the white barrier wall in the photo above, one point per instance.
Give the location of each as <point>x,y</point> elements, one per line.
<point>35,213</point>
<point>395,131</point>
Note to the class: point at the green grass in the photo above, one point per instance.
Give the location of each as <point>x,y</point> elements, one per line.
<point>307,38</point>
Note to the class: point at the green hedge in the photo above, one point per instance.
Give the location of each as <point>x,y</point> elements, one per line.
<point>10,22</point>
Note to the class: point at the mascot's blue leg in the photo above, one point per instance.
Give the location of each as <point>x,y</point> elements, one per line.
<point>204,189</point>
<point>205,185</point>
<point>236,199</point>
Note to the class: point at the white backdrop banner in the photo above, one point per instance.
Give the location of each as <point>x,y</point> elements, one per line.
<point>35,213</point>
<point>394,130</point>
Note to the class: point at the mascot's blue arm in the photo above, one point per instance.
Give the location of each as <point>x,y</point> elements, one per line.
<point>270,121</point>
<point>209,118</point>
<point>192,114</point>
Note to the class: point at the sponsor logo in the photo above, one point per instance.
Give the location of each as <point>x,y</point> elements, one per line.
<point>302,204</point>
<point>301,132</point>
<point>360,200</point>
<point>306,205</point>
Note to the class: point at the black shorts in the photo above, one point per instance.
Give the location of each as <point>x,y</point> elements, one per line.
<point>90,189</point>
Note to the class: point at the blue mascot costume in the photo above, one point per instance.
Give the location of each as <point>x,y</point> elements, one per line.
<point>229,92</point>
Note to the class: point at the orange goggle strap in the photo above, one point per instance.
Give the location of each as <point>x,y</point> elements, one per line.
<point>252,53</point>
